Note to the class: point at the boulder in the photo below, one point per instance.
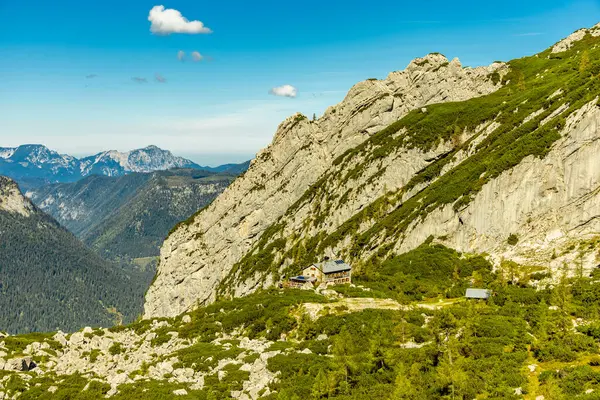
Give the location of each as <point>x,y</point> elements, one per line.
<point>20,364</point>
<point>77,339</point>
<point>117,379</point>
<point>60,338</point>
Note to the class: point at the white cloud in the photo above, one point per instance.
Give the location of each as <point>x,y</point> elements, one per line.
<point>181,55</point>
<point>196,56</point>
<point>285,91</point>
<point>166,21</point>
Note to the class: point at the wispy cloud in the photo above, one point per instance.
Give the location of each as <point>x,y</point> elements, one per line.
<point>528,34</point>
<point>181,55</point>
<point>91,76</point>
<point>166,21</point>
<point>196,56</point>
<point>139,79</point>
<point>159,78</point>
<point>284,91</point>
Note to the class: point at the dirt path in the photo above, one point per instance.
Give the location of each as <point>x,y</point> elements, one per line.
<point>357,304</point>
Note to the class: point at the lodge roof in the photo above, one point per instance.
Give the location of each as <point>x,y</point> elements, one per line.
<point>332,266</point>
<point>301,278</point>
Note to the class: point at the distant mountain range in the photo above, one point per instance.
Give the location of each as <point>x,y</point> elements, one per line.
<point>127,217</point>
<point>50,280</point>
<point>33,165</point>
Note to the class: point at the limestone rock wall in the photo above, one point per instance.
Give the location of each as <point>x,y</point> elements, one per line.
<point>11,199</point>
<point>551,203</point>
<point>198,255</point>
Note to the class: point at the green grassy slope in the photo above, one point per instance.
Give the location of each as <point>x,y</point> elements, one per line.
<point>459,350</point>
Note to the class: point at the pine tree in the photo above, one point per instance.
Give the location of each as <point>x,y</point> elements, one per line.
<point>403,387</point>
<point>584,63</point>
<point>561,297</point>
<point>521,81</point>
<point>320,388</point>
<point>346,355</point>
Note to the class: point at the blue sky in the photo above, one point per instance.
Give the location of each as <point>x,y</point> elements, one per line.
<point>219,109</point>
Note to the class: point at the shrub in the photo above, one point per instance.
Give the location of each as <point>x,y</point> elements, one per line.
<point>115,349</point>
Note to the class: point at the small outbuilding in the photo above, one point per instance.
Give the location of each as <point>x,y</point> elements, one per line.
<point>482,294</point>
<point>301,282</point>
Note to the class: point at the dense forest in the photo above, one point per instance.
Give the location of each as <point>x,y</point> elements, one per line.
<point>49,280</point>
<point>138,227</point>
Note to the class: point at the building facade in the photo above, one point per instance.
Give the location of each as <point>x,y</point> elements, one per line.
<point>301,282</point>
<point>334,272</point>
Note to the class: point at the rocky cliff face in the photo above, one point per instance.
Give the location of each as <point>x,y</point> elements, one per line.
<point>551,203</point>
<point>11,199</point>
<point>196,257</point>
<point>498,160</point>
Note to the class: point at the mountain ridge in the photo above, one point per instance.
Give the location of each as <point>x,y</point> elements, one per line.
<point>128,216</point>
<point>301,151</point>
<point>33,165</point>
<point>424,143</point>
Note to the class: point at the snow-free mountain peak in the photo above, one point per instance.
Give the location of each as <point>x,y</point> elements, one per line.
<point>11,199</point>
<point>148,159</point>
<point>32,165</point>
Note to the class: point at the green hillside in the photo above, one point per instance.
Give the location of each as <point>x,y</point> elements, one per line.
<point>50,280</point>
<point>520,344</point>
<point>128,217</point>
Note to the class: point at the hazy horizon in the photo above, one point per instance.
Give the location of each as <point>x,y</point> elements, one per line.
<point>202,159</point>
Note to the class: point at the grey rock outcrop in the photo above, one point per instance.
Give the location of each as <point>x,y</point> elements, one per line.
<point>11,199</point>
<point>552,203</point>
<point>19,364</point>
<point>196,257</point>
<point>567,42</point>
